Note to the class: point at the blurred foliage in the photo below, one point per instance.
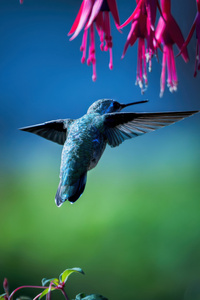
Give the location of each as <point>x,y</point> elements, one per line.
<point>135,234</point>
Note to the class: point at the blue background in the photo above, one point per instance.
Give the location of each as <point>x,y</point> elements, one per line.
<point>135,231</point>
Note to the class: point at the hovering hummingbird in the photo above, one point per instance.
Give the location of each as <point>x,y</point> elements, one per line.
<point>85,139</point>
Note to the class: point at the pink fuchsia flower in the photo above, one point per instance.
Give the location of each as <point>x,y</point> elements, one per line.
<point>168,33</point>
<point>95,13</point>
<point>142,28</point>
<point>196,24</point>
<point>21,1</point>
<point>138,31</point>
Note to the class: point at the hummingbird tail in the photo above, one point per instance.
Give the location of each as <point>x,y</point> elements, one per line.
<point>70,193</point>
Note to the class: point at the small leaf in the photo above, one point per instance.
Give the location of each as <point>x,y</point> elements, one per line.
<point>54,280</point>
<point>80,296</point>
<point>64,276</point>
<point>90,297</point>
<point>2,296</point>
<point>46,292</point>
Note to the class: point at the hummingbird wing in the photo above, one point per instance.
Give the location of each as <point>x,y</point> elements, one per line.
<point>55,131</point>
<point>123,126</point>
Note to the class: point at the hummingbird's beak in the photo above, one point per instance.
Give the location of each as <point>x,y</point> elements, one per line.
<point>133,103</point>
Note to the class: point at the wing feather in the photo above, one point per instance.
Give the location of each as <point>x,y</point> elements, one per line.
<point>55,131</point>
<point>121,126</point>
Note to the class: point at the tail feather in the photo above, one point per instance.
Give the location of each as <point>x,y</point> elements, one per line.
<point>70,193</point>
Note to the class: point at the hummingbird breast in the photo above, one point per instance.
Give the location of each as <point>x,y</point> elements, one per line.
<point>83,148</point>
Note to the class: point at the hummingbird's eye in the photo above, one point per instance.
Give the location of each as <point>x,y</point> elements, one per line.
<point>116,105</point>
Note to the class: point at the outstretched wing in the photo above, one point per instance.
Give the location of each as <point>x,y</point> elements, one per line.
<point>55,131</point>
<point>122,126</point>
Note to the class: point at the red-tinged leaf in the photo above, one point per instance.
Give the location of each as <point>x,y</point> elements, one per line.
<point>46,291</point>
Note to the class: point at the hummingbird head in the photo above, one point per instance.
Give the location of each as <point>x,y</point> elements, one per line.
<point>104,106</point>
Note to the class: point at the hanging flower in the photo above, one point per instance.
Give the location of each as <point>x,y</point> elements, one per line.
<point>95,13</point>
<point>21,1</point>
<point>142,28</point>
<point>196,24</point>
<point>168,33</point>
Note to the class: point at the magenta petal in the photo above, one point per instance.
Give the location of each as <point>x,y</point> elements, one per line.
<point>133,40</point>
<point>198,26</point>
<point>95,10</point>
<point>75,24</point>
<point>114,11</point>
<point>198,5</point>
<point>151,10</point>
<point>189,36</point>
<point>176,35</point>
<point>134,15</point>
<point>87,6</point>
<point>160,29</point>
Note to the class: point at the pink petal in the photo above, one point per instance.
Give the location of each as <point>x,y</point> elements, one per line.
<point>151,10</point>
<point>133,40</point>
<point>166,7</point>
<point>198,26</point>
<point>114,11</point>
<point>75,24</point>
<point>176,35</point>
<point>95,10</point>
<point>134,15</point>
<point>189,36</point>
<point>87,6</point>
<point>132,37</point>
<point>160,29</point>
<point>134,29</point>
<point>198,5</point>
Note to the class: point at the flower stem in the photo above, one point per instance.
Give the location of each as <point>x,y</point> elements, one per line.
<point>25,286</point>
<point>64,294</point>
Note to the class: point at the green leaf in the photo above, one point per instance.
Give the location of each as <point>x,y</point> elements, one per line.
<point>82,296</point>
<point>2,296</point>
<point>54,280</point>
<point>64,276</point>
<point>46,292</point>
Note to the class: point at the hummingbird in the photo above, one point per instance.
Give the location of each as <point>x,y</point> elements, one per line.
<point>84,140</point>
